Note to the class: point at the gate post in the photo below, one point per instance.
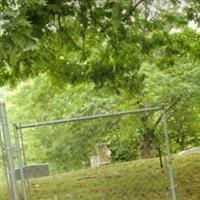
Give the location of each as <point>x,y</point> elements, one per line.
<point>8,152</point>
<point>169,155</point>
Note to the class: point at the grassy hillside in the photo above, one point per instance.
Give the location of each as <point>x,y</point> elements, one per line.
<point>137,180</point>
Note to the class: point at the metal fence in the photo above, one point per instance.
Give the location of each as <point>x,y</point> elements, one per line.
<point>16,155</point>
<point>3,170</point>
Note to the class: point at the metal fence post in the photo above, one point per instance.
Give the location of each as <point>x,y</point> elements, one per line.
<point>8,152</point>
<point>169,156</point>
<point>21,163</point>
<point>4,164</point>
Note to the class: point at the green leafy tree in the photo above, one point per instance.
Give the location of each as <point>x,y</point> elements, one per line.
<point>143,52</point>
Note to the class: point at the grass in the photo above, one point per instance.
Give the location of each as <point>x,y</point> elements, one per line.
<point>137,180</point>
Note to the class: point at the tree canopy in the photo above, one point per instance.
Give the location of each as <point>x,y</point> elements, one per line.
<point>105,42</point>
<point>100,56</point>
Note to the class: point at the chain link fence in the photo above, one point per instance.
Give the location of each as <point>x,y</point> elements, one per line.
<point>141,165</point>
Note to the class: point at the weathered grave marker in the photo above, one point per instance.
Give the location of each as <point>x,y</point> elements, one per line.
<point>94,161</point>
<point>33,171</point>
<point>104,154</point>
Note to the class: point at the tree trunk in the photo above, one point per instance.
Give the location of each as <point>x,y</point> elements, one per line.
<point>182,134</point>
<point>147,146</point>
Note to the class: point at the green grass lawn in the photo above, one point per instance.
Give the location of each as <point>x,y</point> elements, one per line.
<point>137,180</point>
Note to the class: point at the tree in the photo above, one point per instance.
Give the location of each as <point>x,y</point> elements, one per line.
<point>100,41</point>
<point>143,51</point>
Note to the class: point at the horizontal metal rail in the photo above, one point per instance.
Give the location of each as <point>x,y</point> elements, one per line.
<point>85,118</point>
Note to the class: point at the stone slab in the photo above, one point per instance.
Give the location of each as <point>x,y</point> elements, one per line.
<point>104,153</point>
<point>33,171</point>
<point>94,161</point>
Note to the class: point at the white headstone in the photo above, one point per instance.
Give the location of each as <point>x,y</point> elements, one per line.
<point>94,161</point>
<point>104,154</point>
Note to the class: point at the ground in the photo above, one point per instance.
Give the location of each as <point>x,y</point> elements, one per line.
<point>136,180</point>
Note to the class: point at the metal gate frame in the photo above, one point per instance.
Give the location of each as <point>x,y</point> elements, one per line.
<point>3,163</point>
<point>21,153</point>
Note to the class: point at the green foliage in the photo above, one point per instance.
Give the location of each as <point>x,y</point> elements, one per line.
<point>98,41</point>
<point>86,57</point>
<point>69,146</point>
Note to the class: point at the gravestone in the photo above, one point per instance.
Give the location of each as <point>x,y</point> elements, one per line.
<point>190,151</point>
<point>33,171</point>
<point>104,154</point>
<point>94,161</point>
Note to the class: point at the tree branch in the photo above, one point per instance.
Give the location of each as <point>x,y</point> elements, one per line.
<point>129,13</point>
<point>168,108</point>
<point>126,17</point>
